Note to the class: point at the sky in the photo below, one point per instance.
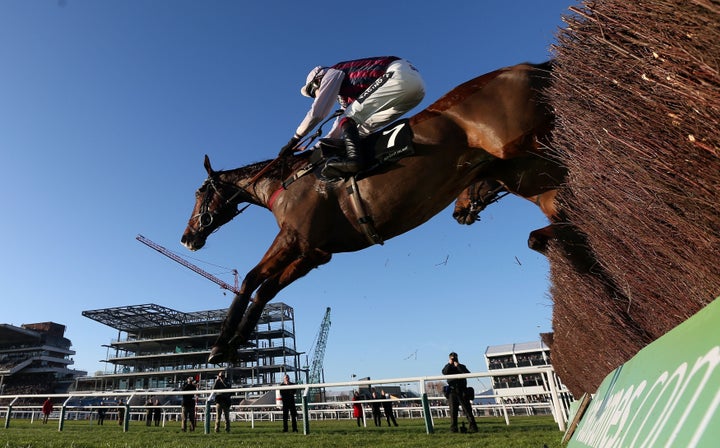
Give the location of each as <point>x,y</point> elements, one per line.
<point>108,107</point>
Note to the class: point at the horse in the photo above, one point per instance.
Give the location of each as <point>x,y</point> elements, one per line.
<point>486,128</point>
<point>485,192</point>
<point>475,199</point>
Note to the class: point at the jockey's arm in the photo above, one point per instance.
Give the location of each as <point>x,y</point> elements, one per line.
<point>324,101</point>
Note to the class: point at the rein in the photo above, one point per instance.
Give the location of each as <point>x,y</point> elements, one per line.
<point>480,203</point>
<point>205,217</point>
<point>306,142</point>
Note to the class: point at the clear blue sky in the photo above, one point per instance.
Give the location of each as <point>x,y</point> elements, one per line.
<point>106,111</point>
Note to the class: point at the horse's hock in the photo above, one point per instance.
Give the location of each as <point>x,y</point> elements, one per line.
<point>637,99</point>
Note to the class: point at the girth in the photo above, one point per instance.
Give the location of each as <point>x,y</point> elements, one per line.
<point>365,220</point>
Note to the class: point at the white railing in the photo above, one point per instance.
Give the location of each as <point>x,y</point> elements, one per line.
<point>427,407</point>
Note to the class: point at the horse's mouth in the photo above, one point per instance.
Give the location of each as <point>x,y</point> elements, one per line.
<point>192,243</point>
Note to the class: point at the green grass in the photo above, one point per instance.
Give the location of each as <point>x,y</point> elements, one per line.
<point>531,432</point>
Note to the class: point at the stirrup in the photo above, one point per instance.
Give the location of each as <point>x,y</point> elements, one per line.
<point>331,172</point>
<point>346,165</point>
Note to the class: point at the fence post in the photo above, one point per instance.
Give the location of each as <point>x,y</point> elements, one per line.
<point>556,405</point>
<point>306,414</point>
<point>207,417</point>
<point>61,420</point>
<point>126,417</point>
<point>504,411</point>
<point>426,413</point>
<point>7,416</point>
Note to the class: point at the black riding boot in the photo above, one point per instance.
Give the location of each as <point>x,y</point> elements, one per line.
<point>352,163</point>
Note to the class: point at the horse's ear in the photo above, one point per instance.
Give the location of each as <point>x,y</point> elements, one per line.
<point>208,168</point>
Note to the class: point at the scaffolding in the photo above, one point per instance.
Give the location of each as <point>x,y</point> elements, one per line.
<point>158,348</point>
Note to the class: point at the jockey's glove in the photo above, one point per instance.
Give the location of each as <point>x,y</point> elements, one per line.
<point>288,149</point>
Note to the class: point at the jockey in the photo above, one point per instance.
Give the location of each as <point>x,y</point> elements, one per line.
<point>372,92</point>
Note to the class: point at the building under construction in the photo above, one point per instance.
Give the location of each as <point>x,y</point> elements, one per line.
<point>159,348</point>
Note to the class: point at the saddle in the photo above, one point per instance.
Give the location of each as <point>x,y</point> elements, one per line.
<point>380,148</point>
<point>387,145</point>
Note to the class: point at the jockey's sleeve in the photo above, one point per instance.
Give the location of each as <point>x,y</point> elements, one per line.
<point>324,101</point>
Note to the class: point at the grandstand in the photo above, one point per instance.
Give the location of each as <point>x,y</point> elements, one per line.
<point>157,348</point>
<point>506,358</point>
<point>35,359</point>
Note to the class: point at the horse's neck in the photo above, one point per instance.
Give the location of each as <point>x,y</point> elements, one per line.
<point>258,190</point>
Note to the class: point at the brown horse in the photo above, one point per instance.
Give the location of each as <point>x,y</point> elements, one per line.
<point>481,194</point>
<point>486,128</point>
<point>475,199</point>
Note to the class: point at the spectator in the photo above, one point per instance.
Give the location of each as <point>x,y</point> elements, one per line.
<point>375,405</point>
<point>222,402</point>
<point>157,412</point>
<point>148,411</point>
<point>188,405</point>
<point>121,412</point>
<point>456,393</point>
<point>357,408</point>
<point>47,409</point>
<point>288,404</point>
<point>101,415</point>
<point>388,409</point>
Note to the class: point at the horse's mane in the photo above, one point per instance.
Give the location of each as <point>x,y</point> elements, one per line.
<point>279,171</point>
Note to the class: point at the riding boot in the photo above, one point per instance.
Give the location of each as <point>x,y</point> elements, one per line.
<point>352,163</point>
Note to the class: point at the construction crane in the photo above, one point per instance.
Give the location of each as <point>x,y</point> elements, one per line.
<point>191,266</point>
<point>316,367</point>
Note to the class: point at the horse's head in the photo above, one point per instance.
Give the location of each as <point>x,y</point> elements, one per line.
<point>216,203</point>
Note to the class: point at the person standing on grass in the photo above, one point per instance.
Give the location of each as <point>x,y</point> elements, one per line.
<point>357,408</point>
<point>222,402</point>
<point>157,412</point>
<point>288,404</point>
<point>388,408</point>
<point>375,405</point>
<point>457,394</point>
<point>47,409</point>
<point>188,405</point>
<point>148,411</point>
<point>121,412</point>
<point>101,414</point>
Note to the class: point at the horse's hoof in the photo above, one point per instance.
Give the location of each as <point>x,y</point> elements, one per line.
<point>217,355</point>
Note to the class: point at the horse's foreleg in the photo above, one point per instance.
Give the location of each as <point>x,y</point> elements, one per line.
<point>271,286</point>
<point>232,319</point>
<point>547,203</point>
<point>279,256</point>
<point>226,343</point>
<point>539,239</point>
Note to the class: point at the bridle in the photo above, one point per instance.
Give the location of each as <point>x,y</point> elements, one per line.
<point>205,217</point>
<point>479,202</point>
